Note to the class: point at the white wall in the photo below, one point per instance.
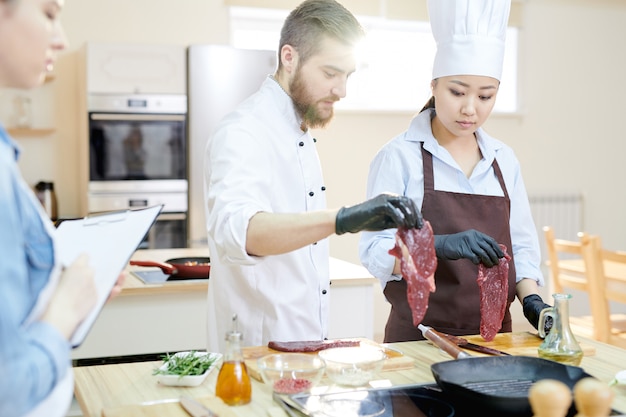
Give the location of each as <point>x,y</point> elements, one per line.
<point>569,134</point>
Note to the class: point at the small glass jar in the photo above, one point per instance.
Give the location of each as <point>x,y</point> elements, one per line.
<point>559,344</point>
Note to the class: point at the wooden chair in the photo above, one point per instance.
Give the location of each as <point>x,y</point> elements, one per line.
<point>573,265</point>
<point>610,280</point>
<point>586,266</point>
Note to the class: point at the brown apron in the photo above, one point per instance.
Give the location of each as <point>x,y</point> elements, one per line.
<point>454,308</point>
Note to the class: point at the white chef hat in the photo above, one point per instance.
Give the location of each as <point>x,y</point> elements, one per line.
<point>470,36</point>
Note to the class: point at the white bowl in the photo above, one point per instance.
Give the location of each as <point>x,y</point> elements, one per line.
<point>353,366</point>
<point>188,380</point>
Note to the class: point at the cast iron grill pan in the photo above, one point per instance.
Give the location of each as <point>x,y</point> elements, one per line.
<point>511,387</point>
<point>498,385</point>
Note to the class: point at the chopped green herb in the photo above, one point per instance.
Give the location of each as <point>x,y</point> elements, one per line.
<point>184,365</point>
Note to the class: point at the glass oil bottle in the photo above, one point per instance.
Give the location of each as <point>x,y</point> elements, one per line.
<point>559,344</point>
<point>233,381</point>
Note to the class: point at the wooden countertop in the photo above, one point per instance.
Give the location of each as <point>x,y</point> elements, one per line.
<point>342,273</point>
<point>131,390</point>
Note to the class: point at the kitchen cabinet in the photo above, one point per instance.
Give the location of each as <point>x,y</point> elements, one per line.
<point>127,68</point>
<point>171,317</point>
<point>147,319</point>
<point>351,301</point>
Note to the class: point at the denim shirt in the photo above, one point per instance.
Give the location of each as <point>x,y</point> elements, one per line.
<point>33,357</point>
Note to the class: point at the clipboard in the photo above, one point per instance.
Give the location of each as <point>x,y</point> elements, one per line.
<point>110,239</point>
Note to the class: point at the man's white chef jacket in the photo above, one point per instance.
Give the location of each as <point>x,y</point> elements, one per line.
<point>259,160</point>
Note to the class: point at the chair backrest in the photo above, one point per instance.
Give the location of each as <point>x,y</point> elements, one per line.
<point>570,275</point>
<point>580,270</point>
<point>612,285</point>
<point>614,275</point>
<point>594,266</point>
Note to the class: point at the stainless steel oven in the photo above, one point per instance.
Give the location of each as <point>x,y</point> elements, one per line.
<point>138,157</point>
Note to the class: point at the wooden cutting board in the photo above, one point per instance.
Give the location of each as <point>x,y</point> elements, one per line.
<point>520,344</point>
<point>167,409</point>
<point>395,359</point>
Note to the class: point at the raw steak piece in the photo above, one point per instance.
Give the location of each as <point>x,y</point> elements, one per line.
<point>310,345</point>
<point>418,269</point>
<point>493,284</point>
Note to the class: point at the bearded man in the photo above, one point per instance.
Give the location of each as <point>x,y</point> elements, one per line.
<point>265,201</point>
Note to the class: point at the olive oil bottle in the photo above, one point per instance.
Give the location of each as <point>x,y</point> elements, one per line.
<point>233,381</point>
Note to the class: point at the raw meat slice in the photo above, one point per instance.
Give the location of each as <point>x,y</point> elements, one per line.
<point>292,385</point>
<point>418,267</point>
<point>493,284</point>
<point>310,345</point>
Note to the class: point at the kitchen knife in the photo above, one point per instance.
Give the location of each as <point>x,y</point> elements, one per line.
<point>464,343</point>
<point>195,409</point>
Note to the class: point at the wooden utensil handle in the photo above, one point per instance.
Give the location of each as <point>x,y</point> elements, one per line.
<point>443,343</point>
<point>166,268</point>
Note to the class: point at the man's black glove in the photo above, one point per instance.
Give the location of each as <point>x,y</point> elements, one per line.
<point>385,211</point>
<point>471,244</point>
<point>532,306</point>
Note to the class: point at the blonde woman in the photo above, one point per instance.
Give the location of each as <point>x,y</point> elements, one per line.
<point>41,304</point>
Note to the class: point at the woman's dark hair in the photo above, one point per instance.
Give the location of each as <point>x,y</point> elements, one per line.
<point>308,23</point>
<point>430,104</point>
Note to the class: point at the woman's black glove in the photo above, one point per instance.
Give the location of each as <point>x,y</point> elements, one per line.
<point>471,244</point>
<point>532,306</point>
<point>385,211</point>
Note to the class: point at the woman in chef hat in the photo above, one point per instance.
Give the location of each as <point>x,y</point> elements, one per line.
<point>468,184</point>
<point>41,304</point>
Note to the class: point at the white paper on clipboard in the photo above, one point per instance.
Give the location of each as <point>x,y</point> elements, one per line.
<point>110,239</point>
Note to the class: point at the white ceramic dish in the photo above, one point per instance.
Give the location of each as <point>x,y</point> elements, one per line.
<point>188,380</point>
<point>620,378</point>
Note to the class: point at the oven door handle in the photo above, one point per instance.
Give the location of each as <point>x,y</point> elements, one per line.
<point>137,117</point>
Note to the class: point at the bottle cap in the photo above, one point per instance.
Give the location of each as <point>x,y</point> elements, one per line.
<point>234,334</point>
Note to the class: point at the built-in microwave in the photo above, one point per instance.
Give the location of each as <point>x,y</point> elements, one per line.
<point>137,140</point>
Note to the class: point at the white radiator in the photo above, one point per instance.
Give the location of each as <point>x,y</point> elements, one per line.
<point>563,211</point>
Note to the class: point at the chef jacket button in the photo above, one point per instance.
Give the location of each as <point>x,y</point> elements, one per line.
<point>323,188</point>
<point>314,140</point>
<point>324,292</point>
<point>311,193</point>
<point>301,144</point>
<point>315,243</point>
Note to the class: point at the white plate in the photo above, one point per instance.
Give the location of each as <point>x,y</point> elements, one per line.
<point>188,380</point>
